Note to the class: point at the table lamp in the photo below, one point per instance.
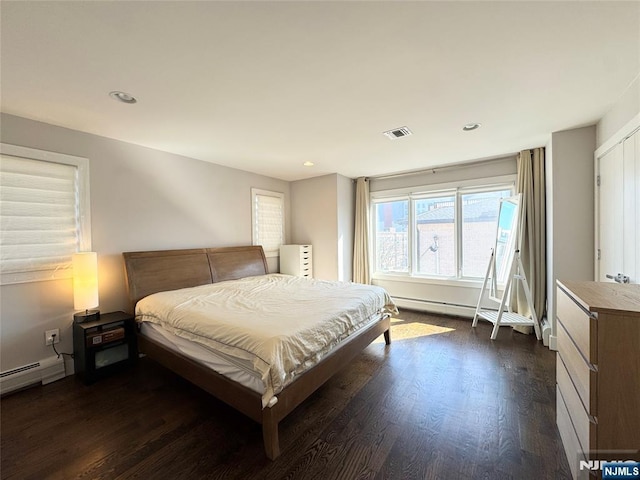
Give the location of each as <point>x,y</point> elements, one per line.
<point>85,286</point>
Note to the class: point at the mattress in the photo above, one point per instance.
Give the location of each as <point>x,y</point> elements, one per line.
<point>276,325</point>
<point>239,372</point>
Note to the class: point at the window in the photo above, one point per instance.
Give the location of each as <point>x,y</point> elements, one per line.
<point>435,235</point>
<point>391,236</point>
<point>446,234</point>
<point>267,216</point>
<point>44,213</point>
<point>479,227</point>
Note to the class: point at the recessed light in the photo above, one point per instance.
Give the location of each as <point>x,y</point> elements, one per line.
<point>308,164</point>
<point>122,97</point>
<point>470,126</point>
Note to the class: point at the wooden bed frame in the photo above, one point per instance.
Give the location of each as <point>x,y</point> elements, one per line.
<point>155,271</point>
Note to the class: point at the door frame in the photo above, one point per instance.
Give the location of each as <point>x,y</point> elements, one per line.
<point>619,137</point>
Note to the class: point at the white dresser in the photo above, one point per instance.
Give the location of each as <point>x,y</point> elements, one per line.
<point>296,260</point>
<point>598,372</point>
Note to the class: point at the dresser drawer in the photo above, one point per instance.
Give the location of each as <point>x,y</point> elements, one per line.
<point>583,424</point>
<point>598,333</point>
<point>306,270</point>
<point>582,373</point>
<point>578,323</point>
<point>569,438</point>
<point>296,260</point>
<point>305,262</point>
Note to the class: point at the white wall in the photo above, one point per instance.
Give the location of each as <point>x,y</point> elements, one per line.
<point>141,199</point>
<point>570,211</point>
<point>625,109</point>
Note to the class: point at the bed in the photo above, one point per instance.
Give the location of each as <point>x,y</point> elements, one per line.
<point>168,275</point>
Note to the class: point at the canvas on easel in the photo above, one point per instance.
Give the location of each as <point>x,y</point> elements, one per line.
<point>505,266</point>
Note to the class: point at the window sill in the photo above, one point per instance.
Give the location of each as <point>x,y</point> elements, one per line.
<point>465,283</point>
<point>35,276</point>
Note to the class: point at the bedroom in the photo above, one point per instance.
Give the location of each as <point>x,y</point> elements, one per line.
<point>143,197</point>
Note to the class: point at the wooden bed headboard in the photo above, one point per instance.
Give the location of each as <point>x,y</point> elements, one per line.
<point>161,270</point>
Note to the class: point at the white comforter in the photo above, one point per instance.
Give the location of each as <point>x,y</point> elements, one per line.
<point>281,324</point>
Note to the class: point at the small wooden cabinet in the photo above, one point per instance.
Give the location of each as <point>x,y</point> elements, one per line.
<point>104,346</point>
<point>296,260</point>
<point>598,373</point>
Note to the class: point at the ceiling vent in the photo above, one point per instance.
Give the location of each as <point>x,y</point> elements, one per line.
<point>398,132</point>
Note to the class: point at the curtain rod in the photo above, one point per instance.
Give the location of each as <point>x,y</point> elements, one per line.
<point>442,167</point>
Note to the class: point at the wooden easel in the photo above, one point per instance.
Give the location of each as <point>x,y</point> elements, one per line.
<point>502,317</point>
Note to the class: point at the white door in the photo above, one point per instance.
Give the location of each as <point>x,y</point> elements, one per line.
<point>631,202</point>
<point>618,217</point>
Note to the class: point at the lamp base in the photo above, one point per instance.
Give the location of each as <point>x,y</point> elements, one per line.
<point>86,316</point>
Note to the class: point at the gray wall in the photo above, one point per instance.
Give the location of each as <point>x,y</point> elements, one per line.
<point>570,210</point>
<point>314,222</point>
<point>571,196</point>
<point>141,199</point>
<point>454,173</point>
<point>322,215</point>
<point>346,225</point>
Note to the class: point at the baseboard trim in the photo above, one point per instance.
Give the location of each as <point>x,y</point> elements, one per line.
<point>546,332</point>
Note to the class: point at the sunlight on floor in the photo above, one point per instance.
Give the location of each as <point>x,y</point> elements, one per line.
<point>404,329</point>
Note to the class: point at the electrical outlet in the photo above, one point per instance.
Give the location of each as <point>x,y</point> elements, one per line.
<point>49,338</point>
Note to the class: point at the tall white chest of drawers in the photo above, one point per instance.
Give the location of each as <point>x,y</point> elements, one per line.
<point>296,260</point>
<point>598,372</point>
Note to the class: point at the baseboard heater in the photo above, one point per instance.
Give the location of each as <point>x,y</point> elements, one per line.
<point>45,371</point>
<point>546,331</point>
<point>435,307</point>
<point>461,311</point>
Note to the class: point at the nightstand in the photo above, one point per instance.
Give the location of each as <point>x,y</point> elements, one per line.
<point>104,346</point>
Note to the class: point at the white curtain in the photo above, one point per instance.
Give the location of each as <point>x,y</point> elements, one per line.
<point>532,231</point>
<point>361,235</point>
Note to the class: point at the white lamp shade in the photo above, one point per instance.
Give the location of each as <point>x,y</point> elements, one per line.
<point>85,280</point>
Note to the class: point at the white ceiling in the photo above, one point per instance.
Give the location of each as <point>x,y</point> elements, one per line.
<point>265,86</point>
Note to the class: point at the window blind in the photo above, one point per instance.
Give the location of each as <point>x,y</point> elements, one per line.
<point>39,216</point>
<point>268,219</point>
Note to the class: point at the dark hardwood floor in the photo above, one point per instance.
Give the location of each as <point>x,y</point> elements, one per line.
<point>442,402</point>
